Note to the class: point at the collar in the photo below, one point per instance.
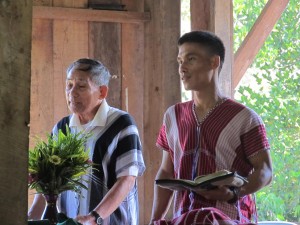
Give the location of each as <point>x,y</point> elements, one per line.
<point>99,119</point>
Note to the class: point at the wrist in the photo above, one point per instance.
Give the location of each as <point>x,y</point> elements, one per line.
<point>97,218</point>
<point>235,191</point>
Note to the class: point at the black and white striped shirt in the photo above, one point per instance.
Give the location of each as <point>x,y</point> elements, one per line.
<point>116,149</point>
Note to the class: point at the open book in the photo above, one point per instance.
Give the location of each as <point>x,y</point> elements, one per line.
<point>205,182</point>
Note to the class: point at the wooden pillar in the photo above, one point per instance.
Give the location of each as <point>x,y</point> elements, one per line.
<point>15,59</point>
<point>161,83</point>
<point>133,73</point>
<point>217,17</point>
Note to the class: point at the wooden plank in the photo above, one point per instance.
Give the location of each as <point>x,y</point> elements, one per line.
<point>161,83</point>
<point>70,3</point>
<point>41,107</point>
<point>133,82</point>
<point>216,16</point>
<point>62,13</point>
<point>42,2</point>
<point>200,14</point>
<point>15,57</point>
<point>70,42</point>
<point>105,45</point>
<point>254,40</point>
<point>223,27</point>
<point>41,104</point>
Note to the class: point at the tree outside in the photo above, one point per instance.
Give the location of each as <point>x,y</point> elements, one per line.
<point>271,87</point>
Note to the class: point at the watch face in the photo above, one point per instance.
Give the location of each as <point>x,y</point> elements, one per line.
<point>99,221</point>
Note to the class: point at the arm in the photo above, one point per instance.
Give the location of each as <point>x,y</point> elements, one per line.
<point>111,200</point>
<point>261,177</point>
<point>162,196</point>
<point>262,174</point>
<point>36,210</point>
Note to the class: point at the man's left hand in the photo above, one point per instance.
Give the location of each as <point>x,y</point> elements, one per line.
<point>86,220</point>
<point>222,193</point>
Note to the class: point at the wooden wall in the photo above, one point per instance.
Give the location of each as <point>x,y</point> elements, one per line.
<point>139,48</point>
<point>216,16</point>
<point>15,47</point>
<point>162,83</point>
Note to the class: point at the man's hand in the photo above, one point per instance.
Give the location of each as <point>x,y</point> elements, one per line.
<point>86,220</point>
<point>222,193</point>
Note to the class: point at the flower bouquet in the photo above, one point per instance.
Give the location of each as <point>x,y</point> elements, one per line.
<point>58,165</point>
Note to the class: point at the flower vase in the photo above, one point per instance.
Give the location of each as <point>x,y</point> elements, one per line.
<point>50,212</point>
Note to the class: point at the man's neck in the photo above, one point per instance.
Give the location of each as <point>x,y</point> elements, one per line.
<point>85,118</point>
<point>205,102</point>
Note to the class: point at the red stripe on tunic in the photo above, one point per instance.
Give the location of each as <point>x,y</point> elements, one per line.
<point>229,135</point>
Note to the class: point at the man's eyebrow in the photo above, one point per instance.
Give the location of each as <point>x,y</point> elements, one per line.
<point>187,55</point>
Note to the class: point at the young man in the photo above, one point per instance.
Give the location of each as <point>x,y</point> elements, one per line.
<point>208,134</point>
<point>114,146</point>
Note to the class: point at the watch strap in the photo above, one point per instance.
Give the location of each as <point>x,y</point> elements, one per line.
<point>98,218</point>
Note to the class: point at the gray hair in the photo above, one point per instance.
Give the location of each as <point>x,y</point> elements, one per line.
<point>98,73</point>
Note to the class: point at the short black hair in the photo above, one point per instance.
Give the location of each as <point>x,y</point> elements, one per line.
<point>206,39</point>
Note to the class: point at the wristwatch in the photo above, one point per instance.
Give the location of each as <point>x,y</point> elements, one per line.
<point>236,197</point>
<point>98,218</point>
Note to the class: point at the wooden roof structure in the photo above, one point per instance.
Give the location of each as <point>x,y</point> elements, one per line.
<point>39,39</point>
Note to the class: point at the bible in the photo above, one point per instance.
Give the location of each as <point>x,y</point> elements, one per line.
<point>205,182</point>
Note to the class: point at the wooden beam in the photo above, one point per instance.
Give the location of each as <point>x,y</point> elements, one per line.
<point>133,82</point>
<point>15,58</point>
<point>216,16</point>
<point>63,13</point>
<point>256,38</point>
<point>161,83</point>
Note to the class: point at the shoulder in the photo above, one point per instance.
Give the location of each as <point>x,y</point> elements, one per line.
<point>63,122</point>
<point>120,116</point>
<point>239,106</point>
<point>243,113</point>
<point>180,107</point>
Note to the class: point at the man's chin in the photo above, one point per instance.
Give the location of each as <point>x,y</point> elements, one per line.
<point>74,110</point>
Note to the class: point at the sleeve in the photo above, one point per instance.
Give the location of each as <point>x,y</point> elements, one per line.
<point>130,159</point>
<point>255,138</point>
<point>162,142</point>
<point>130,171</point>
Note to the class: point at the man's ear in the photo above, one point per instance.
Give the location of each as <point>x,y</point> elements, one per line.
<point>103,91</point>
<point>215,61</point>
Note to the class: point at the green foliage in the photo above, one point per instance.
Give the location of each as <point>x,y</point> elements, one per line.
<point>274,93</point>
<point>58,165</point>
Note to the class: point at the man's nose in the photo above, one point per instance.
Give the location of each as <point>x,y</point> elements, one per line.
<point>182,67</point>
<point>73,91</point>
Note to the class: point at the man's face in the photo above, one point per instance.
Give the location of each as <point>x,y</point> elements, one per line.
<point>195,67</point>
<point>83,96</point>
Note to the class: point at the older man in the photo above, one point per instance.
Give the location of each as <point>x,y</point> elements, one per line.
<point>114,146</point>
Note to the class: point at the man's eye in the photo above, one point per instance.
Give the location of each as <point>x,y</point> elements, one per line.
<point>191,58</point>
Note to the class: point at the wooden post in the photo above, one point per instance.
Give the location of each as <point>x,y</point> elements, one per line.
<point>133,81</point>
<point>217,16</point>
<point>161,83</point>
<point>15,56</point>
